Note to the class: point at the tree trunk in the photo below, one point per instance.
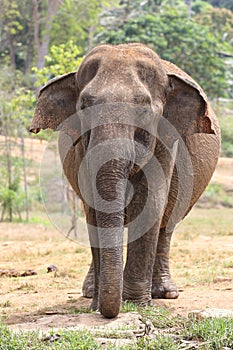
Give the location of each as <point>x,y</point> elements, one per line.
<point>9,171</point>
<point>42,44</point>
<point>25,177</point>
<point>12,51</point>
<point>190,3</point>
<point>91,31</point>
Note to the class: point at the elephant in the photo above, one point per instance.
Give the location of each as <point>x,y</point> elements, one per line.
<point>139,142</point>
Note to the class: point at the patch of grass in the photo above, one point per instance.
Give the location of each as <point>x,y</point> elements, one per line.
<point>26,287</point>
<point>160,317</point>
<point>82,310</point>
<point>34,341</point>
<point>145,343</point>
<point>228,264</point>
<point>218,333</point>
<point>208,334</point>
<point>125,332</point>
<point>128,306</point>
<point>226,124</point>
<point>39,220</point>
<point>215,194</point>
<point>79,250</point>
<point>224,112</point>
<point>206,222</point>
<point>160,343</point>
<point>70,340</point>
<point>7,303</point>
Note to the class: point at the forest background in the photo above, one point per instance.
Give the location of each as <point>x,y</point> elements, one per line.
<point>40,39</point>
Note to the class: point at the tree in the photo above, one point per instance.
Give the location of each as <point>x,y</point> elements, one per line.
<point>200,6</point>
<point>180,40</point>
<point>222,3</point>
<point>11,25</point>
<point>43,26</point>
<point>61,59</point>
<point>25,28</point>
<point>16,105</point>
<point>220,21</point>
<point>79,21</point>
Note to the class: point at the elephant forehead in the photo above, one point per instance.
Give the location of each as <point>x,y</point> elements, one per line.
<point>130,50</point>
<point>125,55</point>
<point>122,63</point>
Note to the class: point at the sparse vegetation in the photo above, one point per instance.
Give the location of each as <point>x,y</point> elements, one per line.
<point>34,341</point>
<point>224,111</point>
<point>217,333</point>
<point>209,334</point>
<point>216,195</point>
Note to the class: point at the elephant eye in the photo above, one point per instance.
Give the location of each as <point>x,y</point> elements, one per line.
<point>147,74</point>
<point>86,100</point>
<point>141,99</point>
<point>143,137</point>
<point>88,71</point>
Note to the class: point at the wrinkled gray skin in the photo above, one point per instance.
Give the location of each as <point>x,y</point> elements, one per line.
<point>140,89</point>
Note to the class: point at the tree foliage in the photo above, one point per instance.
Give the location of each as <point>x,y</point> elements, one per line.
<point>40,39</point>
<point>29,28</point>
<point>220,23</point>
<point>16,107</point>
<point>62,59</point>
<point>189,33</point>
<point>179,39</point>
<point>222,3</point>
<point>79,21</point>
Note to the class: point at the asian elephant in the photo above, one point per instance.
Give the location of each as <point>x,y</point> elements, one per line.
<point>139,143</point>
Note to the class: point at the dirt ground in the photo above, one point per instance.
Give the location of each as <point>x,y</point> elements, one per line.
<point>201,266</point>
<point>201,261</point>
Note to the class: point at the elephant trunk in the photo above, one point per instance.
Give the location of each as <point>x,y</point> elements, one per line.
<point>109,165</point>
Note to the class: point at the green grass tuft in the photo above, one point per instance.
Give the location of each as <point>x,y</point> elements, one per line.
<point>67,340</point>
<point>218,333</point>
<point>208,334</point>
<point>128,306</point>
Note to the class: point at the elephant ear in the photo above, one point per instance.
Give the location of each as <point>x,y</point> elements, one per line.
<point>188,110</point>
<point>56,102</point>
<point>187,107</point>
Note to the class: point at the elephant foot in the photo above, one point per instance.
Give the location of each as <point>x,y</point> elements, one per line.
<point>137,292</point>
<point>94,304</point>
<point>164,290</point>
<point>88,284</point>
<point>88,290</point>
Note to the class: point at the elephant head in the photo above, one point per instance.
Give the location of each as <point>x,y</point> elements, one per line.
<point>111,110</point>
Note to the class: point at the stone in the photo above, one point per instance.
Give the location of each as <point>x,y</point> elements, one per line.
<point>82,321</point>
<point>211,313</point>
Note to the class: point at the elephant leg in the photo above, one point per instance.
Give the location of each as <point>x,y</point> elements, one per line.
<point>144,213</point>
<point>88,284</point>
<point>139,267</point>
<point>162,285</point>
<point>96,264</point>
<point>91,282</point>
